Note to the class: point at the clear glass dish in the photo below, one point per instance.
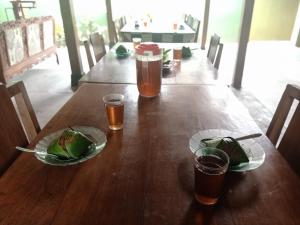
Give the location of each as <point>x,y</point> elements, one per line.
<point>94,134</point>
<point>253,150</point>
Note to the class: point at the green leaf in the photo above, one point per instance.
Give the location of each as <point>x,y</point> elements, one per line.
<point>229,145</point>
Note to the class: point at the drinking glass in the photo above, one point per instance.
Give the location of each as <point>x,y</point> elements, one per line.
<point>175,26</point>
<point>210,167</point>
<point>177,52</point>
<point>114,105</point>
<point>136,42</point>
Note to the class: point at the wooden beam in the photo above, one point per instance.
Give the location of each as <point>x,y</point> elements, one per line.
<point>110,25</point>
<point>243,42</point>
<point>72,40</point>
<point>205,23</point>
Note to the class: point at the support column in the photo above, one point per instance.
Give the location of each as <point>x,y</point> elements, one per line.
<point>110,25</point>
<point>243,42</point>
<point>205,23</point>
<point>296,30</point>
<point>72,40</point>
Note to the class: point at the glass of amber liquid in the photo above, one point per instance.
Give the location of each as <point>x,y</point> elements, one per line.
<point>114,105</point>
<point>177,53</point>
<point>210,167</point>
<point>136,42</point>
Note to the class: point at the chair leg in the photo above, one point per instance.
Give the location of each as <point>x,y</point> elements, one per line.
<point>57,59</point>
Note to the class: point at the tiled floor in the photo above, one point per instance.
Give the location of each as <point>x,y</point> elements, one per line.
<point>269,67</point>
<point>48,86</point>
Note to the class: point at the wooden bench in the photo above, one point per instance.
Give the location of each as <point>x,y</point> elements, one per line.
<point>25,43</point>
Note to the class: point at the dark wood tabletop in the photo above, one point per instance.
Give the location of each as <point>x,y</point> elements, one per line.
<point>194,70</point>
<point>145,174</point>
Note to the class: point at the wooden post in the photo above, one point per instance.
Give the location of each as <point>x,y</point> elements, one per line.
<point>110,25</point>
<point>295,38</point>
<point>298,40</point>
<point>205,23</point>
<point>18,10</point>
<point>243,42</point>
<point>72,40</point>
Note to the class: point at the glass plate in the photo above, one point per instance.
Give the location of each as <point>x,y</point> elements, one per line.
<point>253,150</point>
<point>95,134</point>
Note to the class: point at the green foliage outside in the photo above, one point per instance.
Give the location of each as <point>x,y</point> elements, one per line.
<point>87,26</point>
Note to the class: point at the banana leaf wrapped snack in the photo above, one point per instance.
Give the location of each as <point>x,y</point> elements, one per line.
<point>122,51</point>
<point>70,144</point>
<point>186,52</point>
<point>229,145</point>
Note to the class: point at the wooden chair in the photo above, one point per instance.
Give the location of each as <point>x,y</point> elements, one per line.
<point>88,52</point>
<point>219,54</point>
<point>115,35</point>
<point>124,21</point>
<point>196,27</point>
<point>288,146</point>
<point>167,38</point>
<point>18,122</point>
<point>213,47</point>
<point>189,20</point>
<point>98,45</point>
<point>97,42</point>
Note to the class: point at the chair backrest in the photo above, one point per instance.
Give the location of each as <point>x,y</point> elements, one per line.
<point>288,146</point>
<point>185,17</point>
<point>18,122</point>
<point>97,42</point>
<point>115,34</point>
<point>219,54</point>
<point>124,21</point>
<point>89,53</point>
<point>189,20</point>
<point>196,27</point>
<point>120,22</point>
<point>213,47</point>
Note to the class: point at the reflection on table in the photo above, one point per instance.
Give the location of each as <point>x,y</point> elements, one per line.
<point>158,32</point>
<point>194,70</point>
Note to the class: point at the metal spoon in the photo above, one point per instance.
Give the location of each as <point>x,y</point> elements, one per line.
<point>25,149</point>
<point>256,135</point>
<point>42,154</point>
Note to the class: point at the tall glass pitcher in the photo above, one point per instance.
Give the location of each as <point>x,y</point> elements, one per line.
<point>148,69</point>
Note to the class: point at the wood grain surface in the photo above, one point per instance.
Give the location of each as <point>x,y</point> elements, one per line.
<point>145,174</point>
<point>194,70</point>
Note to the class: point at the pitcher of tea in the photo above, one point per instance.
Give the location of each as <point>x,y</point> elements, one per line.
<point>148,69</point>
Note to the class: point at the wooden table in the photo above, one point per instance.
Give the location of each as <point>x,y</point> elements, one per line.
<point>145,174</point>
<point>194,70</point>
<point>158,30</point>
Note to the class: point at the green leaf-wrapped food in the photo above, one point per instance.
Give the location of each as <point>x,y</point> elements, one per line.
<point>229,145</point>
<point>70,144</point>
<point>121,50</point>
<point>186,52</point>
